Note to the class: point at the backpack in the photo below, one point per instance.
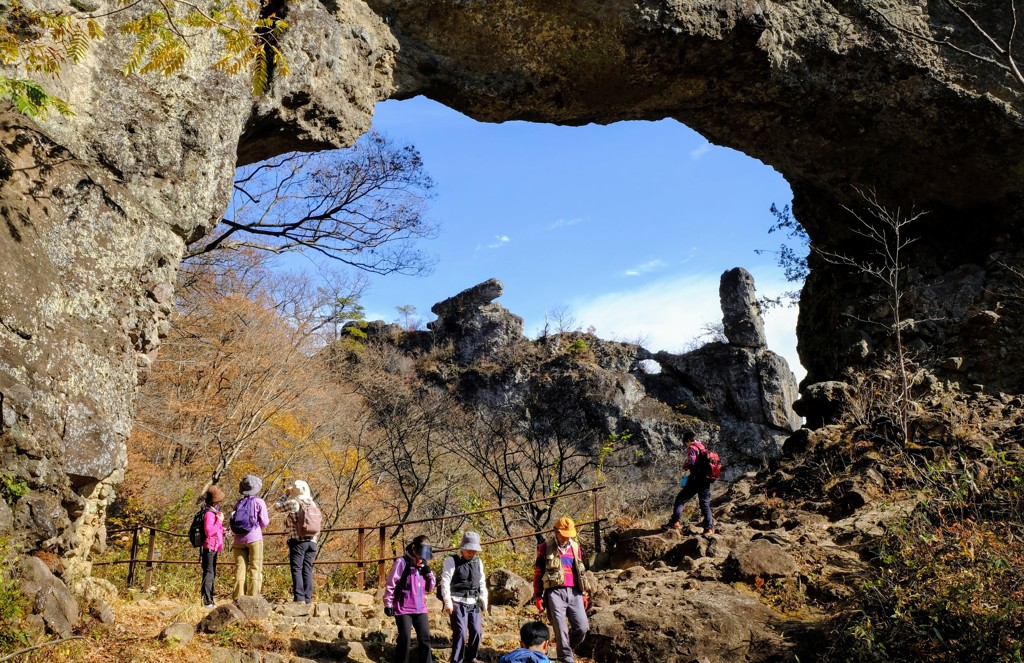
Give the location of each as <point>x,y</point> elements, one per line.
<point>308,520</point>
<point>197,530</point>
<point>711,465</point>
<point>243,518</point>
<point>437,590</point>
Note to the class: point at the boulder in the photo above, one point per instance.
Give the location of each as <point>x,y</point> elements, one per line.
<point>639,547</point>
<point>220,618</point>
<point>178,633</point>
<point>760,558</point>
<point>504,587</point>
<point>50,597</point>
<point>255,608</point>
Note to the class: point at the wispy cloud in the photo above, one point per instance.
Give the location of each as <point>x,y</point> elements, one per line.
<point>644,268</point>
<point>669,312</point>
<point>499,241</point>
<point>700,151</point>
<point>563,223</point>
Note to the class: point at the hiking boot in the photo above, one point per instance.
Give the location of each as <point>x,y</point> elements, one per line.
<point>709,532</point>
<point>671,525</point>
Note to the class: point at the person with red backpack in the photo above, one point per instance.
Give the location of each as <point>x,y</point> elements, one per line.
<point>302,522</point>
<point>248,521</point>
<point>703,472</point>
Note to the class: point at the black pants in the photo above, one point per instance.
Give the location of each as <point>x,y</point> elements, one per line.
<point>300,558</point>
<point>208,560</point>
<point>405,625</point>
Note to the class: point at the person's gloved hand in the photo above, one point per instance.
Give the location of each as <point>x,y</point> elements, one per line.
<point>586,602</point>
<point>425,571</point>
<point>539,602</point>
<point>390,612</point>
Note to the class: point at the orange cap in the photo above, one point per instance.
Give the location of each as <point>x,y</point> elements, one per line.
<point>566,527</point>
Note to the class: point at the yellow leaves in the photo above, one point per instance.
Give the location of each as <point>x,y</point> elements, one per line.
<point>45,41</point>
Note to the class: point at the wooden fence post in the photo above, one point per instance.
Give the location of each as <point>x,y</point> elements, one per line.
<point>597,522</point>
<point>361,553</point>
<point>133,555</point>
<point>150,557</point>
<point>381,571</point>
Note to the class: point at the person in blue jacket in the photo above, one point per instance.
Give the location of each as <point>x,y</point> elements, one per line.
<point>535,639</point>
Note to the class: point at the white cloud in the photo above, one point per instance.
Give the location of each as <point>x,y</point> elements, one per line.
<point>669,312</point>
<point>645,267</point>
<point>564,223</point>
<point>499,241</point>
<point>700,151</point>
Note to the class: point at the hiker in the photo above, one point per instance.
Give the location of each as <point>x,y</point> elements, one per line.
<point>464,595</point>
<point>213,541</point>
<point>533,639</point>
<point>560,586</point>
<point>302,522</point>
<point>248,521</point>
<point>405,599</point>
<point>697,483</point>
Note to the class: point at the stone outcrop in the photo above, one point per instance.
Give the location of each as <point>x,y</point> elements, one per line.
<point>476,326</point>
<point>748,389</point>
<point>95,210</point>
<point>741,316</point>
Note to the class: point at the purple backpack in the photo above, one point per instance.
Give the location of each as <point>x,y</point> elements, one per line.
<point>243,518</point>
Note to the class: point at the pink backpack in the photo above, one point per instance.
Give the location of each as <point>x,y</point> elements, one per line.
<point>308,520</point>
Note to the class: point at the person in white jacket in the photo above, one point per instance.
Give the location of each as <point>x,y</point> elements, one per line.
<point>464,594</point>
<point>302,523</point>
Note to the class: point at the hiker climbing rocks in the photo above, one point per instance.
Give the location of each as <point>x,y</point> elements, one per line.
<point>248,521</point>
<point>560,586</point>
<point>213,541</point>
<point>463,591</point>
<point>533,641</point>
<point>302,523</point>
<point>405,599</point>
<point>702,473</point>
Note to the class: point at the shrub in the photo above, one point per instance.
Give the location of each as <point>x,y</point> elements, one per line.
<point>948,584</point>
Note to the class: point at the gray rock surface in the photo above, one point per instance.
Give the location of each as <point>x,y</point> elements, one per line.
<point>761,559</point>
<point>178,633</point>
<point>741,316</point>
<point>253,607</point>
<point>476,326</point>
<point>220,618</point>
<point>505,587</point>
<point>50,597</point>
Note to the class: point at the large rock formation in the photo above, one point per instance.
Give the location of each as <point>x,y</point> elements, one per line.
<point>886,95</point>
<point>95,210</point>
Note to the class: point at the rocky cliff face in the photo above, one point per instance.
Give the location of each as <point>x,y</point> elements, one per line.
<point>95,210</point>
<point>96,207</point>
<point>738,397</point>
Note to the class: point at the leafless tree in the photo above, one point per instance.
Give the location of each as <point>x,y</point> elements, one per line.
<point>994,46</point>
<point>885,232</point>
<point>363,206</point>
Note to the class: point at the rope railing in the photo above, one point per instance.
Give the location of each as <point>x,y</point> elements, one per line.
<point>361,560</point>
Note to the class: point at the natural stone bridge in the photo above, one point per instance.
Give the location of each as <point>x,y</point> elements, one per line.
<point>96,208</point>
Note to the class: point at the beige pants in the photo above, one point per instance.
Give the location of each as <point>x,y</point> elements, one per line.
<point>248,568</point>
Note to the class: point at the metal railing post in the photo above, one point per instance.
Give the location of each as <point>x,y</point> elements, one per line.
<point>133,555</point>
<point>150,557</point>
<point>361,554</point>
<point>381,570</point>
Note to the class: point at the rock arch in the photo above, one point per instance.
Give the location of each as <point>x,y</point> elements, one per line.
<point>96,208</point>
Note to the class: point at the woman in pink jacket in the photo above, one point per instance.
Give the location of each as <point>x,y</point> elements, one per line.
<point>405,599</point>
<point>213,542</point>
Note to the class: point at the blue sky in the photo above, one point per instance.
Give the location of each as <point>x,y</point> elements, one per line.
<point>629,225</point>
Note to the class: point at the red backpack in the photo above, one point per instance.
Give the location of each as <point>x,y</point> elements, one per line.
<point>710,465</point>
